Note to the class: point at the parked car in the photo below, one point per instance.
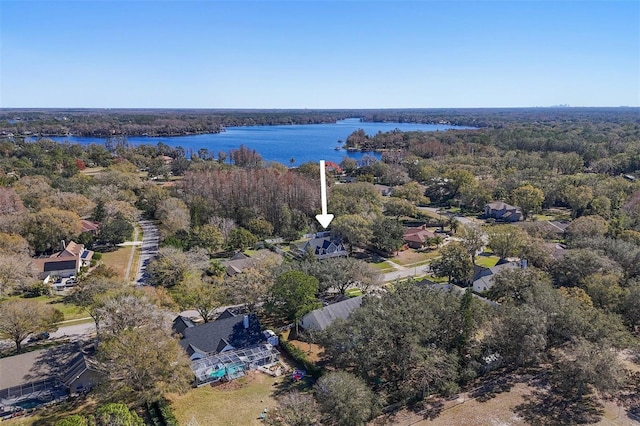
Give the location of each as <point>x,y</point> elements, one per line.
<point>39,336</point>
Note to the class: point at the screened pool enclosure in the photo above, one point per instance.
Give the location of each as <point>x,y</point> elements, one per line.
<point>230,365</point>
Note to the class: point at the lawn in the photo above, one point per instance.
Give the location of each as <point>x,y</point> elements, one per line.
<point>118,260</point>
<point>70,311</point>
<point>487,261</point>
<point>383,267</point>
<point>411,257</point>
<point>239,402</point>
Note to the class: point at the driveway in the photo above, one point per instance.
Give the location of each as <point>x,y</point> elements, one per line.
<point>148,248</point>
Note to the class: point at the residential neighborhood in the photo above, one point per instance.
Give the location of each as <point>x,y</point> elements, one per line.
<point>194,288</point>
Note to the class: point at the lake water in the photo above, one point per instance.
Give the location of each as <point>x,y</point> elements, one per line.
<point>302,143</point>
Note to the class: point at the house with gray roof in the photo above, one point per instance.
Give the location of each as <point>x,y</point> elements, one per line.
<point>228,332</point>
<point>237,263</point>
<point>502,211</point>
<point>483,277</point>
<point>37,377</point>
<point>322,247</point>
<point>320,319</point>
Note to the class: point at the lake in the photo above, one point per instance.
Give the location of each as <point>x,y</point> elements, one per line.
<point>301,142</point>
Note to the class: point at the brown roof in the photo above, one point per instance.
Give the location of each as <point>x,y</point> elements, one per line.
<point>89,226</point>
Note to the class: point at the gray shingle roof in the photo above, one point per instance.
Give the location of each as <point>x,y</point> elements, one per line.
<point>214,336</point>
<point>320,319</point>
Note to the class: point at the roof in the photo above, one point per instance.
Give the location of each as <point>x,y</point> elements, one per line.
<point>52,363</point>
<point>72,249</point>
<point>59,265</point>
<point>181,323</point>
<point>89,226</point>
<point>320,319</point>
<point>214,336</point>
<point>237,263</point>
<point>418,235</point>
<point>483,278</point>
<point>500,205</point>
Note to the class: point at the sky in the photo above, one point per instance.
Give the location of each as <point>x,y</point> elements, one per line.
<point>319,54</point>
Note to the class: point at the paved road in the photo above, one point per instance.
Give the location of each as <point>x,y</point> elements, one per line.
<point>148,249</point>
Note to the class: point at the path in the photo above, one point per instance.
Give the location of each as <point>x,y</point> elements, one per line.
<point>133,245</point>
<point>149,248</point>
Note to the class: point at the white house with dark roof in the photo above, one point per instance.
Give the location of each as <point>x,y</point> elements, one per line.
<point>322,247</point>
<point>64,263</point>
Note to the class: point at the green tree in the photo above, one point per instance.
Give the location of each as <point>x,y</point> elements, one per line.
<point>456,180</point>
<point>354,229</point>
<point>21,317</point>
<point>506,240</point>
<point>345,399</point>
<point>454,263</point>
<point>587,227</point>
<point>116,414</point>
<point>260,227</point>
<point>388,234</point>
<point>584,366</point>
<point>208,237</point>
<point>73,420</point>
<point>115,231</point>
<point>341,199</point>
<point>194,293</point>
<point>528,198</point>
<point>473,239</point>
<point>45,229</point>
<point>519,335</point>
<point>143,364</point>
<point>399,207</point>
<point>240,239</point>
<point>412,191</point>
<point>578,198</point>
<point>293,295</point>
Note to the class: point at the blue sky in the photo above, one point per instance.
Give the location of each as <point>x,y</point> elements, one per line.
<point>319,54</point>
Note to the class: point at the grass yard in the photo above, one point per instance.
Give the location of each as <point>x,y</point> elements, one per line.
<point>236,403</point>
<point>69,310</point>
<point>487,261</point>
<point>383,267</point>
<point>118,260</point>
<point>411,257</point>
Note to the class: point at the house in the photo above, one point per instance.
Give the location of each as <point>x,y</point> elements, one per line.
<point>322,247</point>
<point>320,319</point>
<point>227,347</point>
<point>90,227</point>
<point>483,277</point>
<point>38,377</point>
<point>65,263</point>
<point>502,211</point>
<point>237,263</point>
<point>332,167</point>
<point>417,237</point>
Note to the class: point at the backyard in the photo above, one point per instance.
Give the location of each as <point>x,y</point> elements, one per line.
<point>239,402</point>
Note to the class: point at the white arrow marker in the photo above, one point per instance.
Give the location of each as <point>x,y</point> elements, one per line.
<point>324,218</point>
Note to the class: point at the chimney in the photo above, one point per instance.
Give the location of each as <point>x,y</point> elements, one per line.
<point>64,245</point>
<point>245,322</point>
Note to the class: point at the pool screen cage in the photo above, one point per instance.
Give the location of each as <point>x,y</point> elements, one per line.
<point>230,365</point>
<point>37,389</point>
